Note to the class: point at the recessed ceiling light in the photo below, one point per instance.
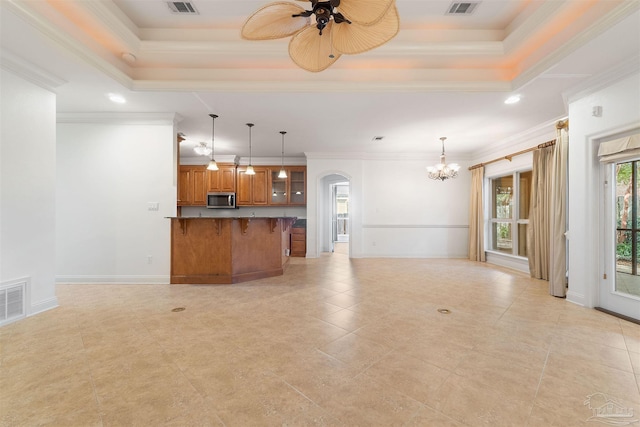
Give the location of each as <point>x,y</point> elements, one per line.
<point>512,99</point>
<point>118,99</point>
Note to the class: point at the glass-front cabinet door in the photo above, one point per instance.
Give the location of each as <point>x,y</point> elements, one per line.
<point>290,190</point>
<point>278,188</point>
<point>297,180</point>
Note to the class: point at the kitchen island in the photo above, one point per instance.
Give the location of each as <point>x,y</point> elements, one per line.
<point>206,250</point>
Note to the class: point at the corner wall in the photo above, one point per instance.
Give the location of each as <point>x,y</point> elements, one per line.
<point>28,192</point>
<point>620,102</point>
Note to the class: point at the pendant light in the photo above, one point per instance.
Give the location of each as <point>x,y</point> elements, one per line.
<point>283,173</point>
<point>213,166</point>
<point>250,170</point>
<point>443,171</point>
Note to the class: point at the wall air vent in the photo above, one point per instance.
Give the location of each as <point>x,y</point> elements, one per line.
<point>12,302</point>
<point>183,8</point>
<point>466,8</point>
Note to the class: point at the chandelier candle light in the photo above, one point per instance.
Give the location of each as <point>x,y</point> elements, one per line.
<point>213,166</point>
<point>250,170</point>
<point>283,173</point>
<point>442,170</point>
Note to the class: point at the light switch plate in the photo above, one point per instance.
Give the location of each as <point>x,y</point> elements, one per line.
<point>153,206</point>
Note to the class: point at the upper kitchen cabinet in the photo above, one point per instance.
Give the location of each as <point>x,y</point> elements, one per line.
<point>192,186</point>
<point>252,190</point>
<point>222,180</point>
<point>290,190</point>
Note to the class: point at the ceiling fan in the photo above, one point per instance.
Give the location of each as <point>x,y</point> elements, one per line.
<point>340,27</point>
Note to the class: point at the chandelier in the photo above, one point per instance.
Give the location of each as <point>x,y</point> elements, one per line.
<point>201,149</point>
<point>442,170</point>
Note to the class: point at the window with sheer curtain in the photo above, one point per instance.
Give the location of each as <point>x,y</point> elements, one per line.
<point>510,201</point>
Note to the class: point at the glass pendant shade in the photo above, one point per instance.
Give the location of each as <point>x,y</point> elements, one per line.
<point>250,170</point>
<point>213,166</point>
<point>282,174</point>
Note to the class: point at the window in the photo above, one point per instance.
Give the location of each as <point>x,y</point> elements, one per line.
<point>510,201</point>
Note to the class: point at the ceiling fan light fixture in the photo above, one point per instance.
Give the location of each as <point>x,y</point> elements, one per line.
<point>360,25</point>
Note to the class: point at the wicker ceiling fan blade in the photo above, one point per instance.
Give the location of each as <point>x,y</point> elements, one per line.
<point>274,21</point>
<point>311,51</point>
<point>365,12</point>
<point>355,38</point>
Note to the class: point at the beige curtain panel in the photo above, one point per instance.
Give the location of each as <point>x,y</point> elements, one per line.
<point>557,216</point>
<point>476,217</point>
<point>538,231</point>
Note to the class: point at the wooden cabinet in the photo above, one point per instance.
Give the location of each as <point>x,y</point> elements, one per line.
<point>192,189</point>
<point>290,190</point>
<point>222,180</point>
<point>194,181</point>
<point>298,242</point>
<point>252,190</point>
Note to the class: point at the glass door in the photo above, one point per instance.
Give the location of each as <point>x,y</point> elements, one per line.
<point>620,286</point>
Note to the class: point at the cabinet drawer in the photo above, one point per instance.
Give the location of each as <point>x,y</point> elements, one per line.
<point>298,237</point>
<point>298,247</point>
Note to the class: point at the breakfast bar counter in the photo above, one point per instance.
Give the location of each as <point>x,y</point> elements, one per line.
<point>206,250</point>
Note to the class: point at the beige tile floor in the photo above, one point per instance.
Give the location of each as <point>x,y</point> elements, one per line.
<point>334,342</point>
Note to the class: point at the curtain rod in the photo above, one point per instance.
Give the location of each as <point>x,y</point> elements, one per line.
<point>562,124</point>
<point>509,156</point>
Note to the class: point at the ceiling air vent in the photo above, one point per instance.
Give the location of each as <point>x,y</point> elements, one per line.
<point>182,7</point>
<point>462,8</point>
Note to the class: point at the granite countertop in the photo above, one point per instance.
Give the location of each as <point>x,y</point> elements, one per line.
<point>232,217</point>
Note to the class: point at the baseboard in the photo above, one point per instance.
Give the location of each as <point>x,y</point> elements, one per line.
<point>42,306</point>
<point>576,298</point>
<point>118,280</point>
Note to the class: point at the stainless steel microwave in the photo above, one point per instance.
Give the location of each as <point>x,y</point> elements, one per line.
<point>221,200</point>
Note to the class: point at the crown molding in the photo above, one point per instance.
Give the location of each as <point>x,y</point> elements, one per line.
<point>115,22</point>
<point>421,157</point>
<point>601,81</point>
<point>9,61</point>
<point>65,41</point>
<point>119,118</point>
<point>546,63</point>
<point>275,84</point>
<point>541,132</point>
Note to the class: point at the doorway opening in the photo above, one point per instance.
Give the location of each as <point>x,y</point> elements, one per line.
<point>340,216</point>
<point>334,229</point>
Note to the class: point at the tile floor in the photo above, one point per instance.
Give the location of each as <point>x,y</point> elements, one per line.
<point>333,342</point>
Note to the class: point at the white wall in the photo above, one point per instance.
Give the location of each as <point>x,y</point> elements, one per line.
<point>395,210</point>
<point>620,102</point>
<point>28,174</point>
<point>108,173</point>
